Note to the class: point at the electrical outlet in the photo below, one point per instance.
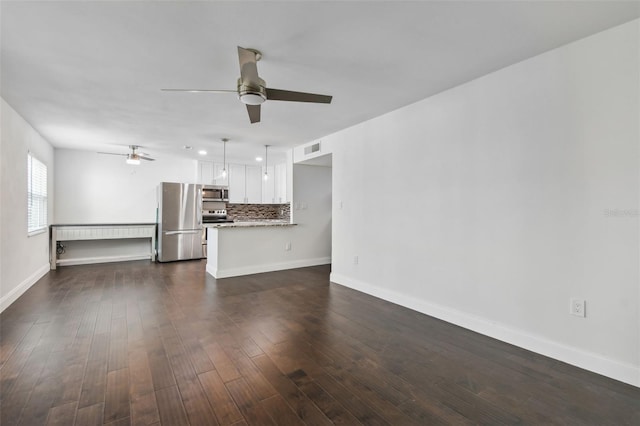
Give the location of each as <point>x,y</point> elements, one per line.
<point>355,260</point>
<point>287,247</point>
<point>577,307</point>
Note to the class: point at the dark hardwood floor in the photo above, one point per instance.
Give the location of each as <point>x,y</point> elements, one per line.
<point>150,344</point>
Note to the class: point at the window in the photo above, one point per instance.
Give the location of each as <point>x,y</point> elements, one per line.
<point>36,195</point>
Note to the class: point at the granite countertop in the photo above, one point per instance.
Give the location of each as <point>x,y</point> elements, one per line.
<point>250,224</point>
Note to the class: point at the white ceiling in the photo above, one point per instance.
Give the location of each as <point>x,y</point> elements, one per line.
<point>87,75</point>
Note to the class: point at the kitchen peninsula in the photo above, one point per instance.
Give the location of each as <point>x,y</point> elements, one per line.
<point>242,248</point>
<point>273,237</point>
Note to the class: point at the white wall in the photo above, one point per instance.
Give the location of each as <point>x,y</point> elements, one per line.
<point>311,210</point>
<point>23,259</point>
<point>325,148</point>
<point>97,188</point>
<point>94,188</point>
<point>505,192</point>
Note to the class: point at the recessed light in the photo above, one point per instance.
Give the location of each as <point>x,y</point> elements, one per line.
<point>202,152</point>
<point>258,158</point>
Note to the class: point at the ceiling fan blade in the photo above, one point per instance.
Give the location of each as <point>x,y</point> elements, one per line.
<point>254,113</point>
<point>248,68</point>
<point>146,158</point>
<point>199,90</point>
<point>112,153</point>
<point>287,95</point>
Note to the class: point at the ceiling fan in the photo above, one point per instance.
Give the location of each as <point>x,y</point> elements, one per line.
<point>133,157</point>
<point>252,90</point>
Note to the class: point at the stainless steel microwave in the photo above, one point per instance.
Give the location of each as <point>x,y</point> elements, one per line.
<point>215,193</point>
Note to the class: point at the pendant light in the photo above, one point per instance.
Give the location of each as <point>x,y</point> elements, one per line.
<point>224,157</point>
<point>266,162</point>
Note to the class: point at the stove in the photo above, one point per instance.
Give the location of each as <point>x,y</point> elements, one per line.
<point>215,216</point>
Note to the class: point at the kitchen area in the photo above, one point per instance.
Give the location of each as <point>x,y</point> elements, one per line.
<point>186,212</point>
<point>237,225</point>
<point>236,236</point>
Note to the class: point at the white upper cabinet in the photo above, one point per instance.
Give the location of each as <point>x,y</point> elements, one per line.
<point>218,177</point>
<point>280,184</point>
<point>210,173</point>
<point>268,186</point>
<point>274,189</point>
<point>253,184</point>
<point>205,172</point>
<point>246,182</point>
<point>237,183</point>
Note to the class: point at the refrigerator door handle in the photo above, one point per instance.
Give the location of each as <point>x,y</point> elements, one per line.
<point>195,231</point>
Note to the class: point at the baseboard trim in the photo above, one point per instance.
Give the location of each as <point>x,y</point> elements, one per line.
<point>101,259</point>
<point>268,267</point>
<point>626,373</point>
<point>25,285</point>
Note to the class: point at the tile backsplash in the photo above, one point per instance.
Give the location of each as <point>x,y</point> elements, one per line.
<point>258,211</point>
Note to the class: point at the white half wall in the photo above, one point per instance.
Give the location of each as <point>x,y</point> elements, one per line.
<point>23,259</point>
<point>240,251</point>
<point>511,194</point>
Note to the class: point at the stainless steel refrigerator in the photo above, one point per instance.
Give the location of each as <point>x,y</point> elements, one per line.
<point>179,221</point>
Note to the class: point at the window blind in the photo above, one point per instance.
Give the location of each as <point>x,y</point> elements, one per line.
<point>36,194</point>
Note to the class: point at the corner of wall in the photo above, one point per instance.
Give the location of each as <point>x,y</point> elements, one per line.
<point>626,373</point>
<point>20,289</point>
<point>25,259</point>
<point>484,243</point>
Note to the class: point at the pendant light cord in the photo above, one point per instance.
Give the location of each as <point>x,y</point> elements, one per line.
<point>224,157</point>
<point>266,162</point>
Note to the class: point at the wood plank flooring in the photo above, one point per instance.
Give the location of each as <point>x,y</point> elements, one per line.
<point>166,344</point>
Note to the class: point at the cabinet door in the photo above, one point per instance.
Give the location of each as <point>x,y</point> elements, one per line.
<point>280,191</point>
<point>218,178</point>
<point>237,183</point>
<point>253,184</point>
<point>205,172</point>
<point>268,186</point>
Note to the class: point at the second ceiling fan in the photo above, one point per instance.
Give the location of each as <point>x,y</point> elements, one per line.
<point>253,91</point>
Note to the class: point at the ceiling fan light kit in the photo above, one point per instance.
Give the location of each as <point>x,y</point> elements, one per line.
<point>133,157</point>
<point>252,98</point>
<point>133,160</point>
<point>253,91</point>
<point>251,95</point>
